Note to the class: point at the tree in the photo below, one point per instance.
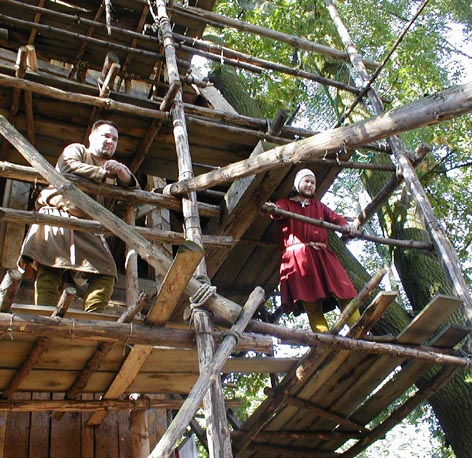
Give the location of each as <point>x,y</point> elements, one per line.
<point>424,62</point>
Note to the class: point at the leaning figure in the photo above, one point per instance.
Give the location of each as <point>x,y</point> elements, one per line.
<point>312,279</point>
<point>61,256</point>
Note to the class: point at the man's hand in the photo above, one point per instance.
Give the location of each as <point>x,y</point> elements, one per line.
<point>350,229</point>
<point>117,170</point>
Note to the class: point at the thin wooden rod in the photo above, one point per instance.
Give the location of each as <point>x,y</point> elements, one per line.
<point>273,436</point>
<point>70,405</point>
<point>291,336</point>
<point>87,225</point>
<point>218,437</point>
<point>382,64</point>
<point>55,32</point>
<point>233,58</point>
<point>193,114</point>
<point>272,209</point>
<point>388,189</point>
<point>208,17</point>
<point>429,110</point>
<point>137,196</point>
<point>323,413</point>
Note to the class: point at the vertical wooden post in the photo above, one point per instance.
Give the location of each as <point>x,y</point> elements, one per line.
<point>442,245</point>
<point>219,442</point>
<point>131,264</point>
<point>139,434</point>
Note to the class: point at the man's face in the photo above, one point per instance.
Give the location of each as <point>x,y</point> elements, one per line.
<point>307,187</point>
<point>103,141</point>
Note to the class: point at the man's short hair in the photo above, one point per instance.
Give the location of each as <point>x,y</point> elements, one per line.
<point>101,122</point>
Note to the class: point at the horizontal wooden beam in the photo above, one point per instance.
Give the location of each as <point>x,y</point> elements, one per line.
<point>314,339</point>
<point>433,109</point>
<point>73,328</point>
<point>274,210</point>
<point>31,175</point>
<point>87,225</point>
<point>143,403</point>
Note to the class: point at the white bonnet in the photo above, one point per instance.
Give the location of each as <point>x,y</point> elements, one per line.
<point>298,177</point>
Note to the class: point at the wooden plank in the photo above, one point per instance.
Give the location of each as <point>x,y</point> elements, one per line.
<point>59,382</point>
<point>128,372</point>
<point>64,430</point>
<point>107,438</point>
<point>400,382</point>
<point>3,428</point>
<point>433,315</point>
<point>124,435</point>
<point>17,431</point>
<point>39,433</point>
<point>183,266</point>
<point>360,376</point>
<point>87,434</point>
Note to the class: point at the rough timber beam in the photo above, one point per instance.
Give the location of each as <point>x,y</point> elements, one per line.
<point>138,196</point>
<point>223,309</point>
<point>89,329</point>
<point>433,109</point>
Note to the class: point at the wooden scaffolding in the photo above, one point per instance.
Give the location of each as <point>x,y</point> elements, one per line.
<point>128,384</point>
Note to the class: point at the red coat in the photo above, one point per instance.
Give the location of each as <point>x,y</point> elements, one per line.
<point>309,273</point>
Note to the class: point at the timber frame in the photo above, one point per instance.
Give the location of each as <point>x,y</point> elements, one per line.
<point>129,382</point>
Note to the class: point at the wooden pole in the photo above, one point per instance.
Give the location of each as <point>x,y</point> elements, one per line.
<point>210,373</point>
<point>446,254</point>
<point>433,109</point>
<point>219,441</point>
<point>71,328</point>
<point>314,339</point>
<point>70,405</point>
<point>224,310</point>
<point>8,288</point>
<point>272,209</point>
<point>86,225</point>
<point>137,196</point>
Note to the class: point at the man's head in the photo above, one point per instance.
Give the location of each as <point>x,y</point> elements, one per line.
<point>305,183</point>
<point>103,139</point>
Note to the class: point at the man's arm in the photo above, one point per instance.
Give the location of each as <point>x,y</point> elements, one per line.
<point>123,174</point>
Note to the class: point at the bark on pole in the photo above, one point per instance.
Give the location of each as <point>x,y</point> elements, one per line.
<point>208,376</point>
<point>219,441</point>
<point>446,254</point>
<point>433,109</point>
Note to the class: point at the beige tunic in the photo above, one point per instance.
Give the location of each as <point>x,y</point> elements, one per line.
<point>66,248</point>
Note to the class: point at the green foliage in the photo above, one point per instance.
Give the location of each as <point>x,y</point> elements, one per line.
<point>426,61</point>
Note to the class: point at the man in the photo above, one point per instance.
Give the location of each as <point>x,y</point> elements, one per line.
<point>312,278</point>
<point>62,255</point>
